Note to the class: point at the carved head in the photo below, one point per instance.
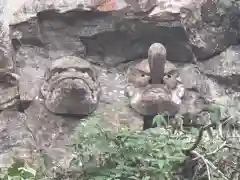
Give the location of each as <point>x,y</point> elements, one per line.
<point>157,54</point>
<point>171,79</point>
<point>71,87</point>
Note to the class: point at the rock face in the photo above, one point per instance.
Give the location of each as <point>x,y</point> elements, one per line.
<point>71,87</point>
<point>224,67</point>
<point>186,28</point>
<point>200,91</point>
<point>57,35</point>
<point>10,98</point>
<point>210,28</point>
<point>8,79</point>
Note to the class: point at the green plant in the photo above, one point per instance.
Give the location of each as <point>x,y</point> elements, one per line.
<point>103,154</point>
<point>18,171</point>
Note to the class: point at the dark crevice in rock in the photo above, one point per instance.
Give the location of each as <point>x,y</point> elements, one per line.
<point>24,105</point>
<point>16,44</point>
<point>77,117</point>
<point>198,50</point>
<point>126,45</point>
<point>148,122</point>
<point>232,81</point>
<point>102,38</point>
<point>32,41</point>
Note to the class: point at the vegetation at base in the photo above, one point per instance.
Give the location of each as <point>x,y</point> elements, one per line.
<point>211,152</point>
<point>104,154</point>
<point>18,171</point>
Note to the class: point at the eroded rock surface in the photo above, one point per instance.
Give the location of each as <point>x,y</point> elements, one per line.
<point>145,88</point>
<point>200,92</point>
<point>71,87</point>
<point>187,28</point>
<point>110,34</point>
<point>31,64</point>
<point>10,98</point>
<point>35,131</point>
<point>8,77</point>
<point>225,68</point>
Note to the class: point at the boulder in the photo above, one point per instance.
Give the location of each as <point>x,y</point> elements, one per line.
<point>117,31</point>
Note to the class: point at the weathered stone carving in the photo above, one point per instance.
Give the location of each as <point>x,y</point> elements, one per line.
<point>139,75</point>
<point>183,92</point>
<point>149,98</point>
<point>71,87</point>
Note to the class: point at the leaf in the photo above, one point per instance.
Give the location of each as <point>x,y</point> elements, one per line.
<point>13,170</point>
<point>126,154</point>
<point>159,119</point>
<point>27,173</point>
<point>133,178</point>
<point>160,163</point>
<point>146,178</point>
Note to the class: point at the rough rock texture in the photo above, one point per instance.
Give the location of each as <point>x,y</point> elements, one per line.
<point>225,68</point>
<point>192,78</point>
<point>24,134</point>
<point>71,87</point>
<point>8,79</point>
<point>109,34</point>
<point>151,100</point>
<point>10,98</point>
<point>182,26</point>
<point>210,28</point>
<point>149,91</point>
<point>31,63</point>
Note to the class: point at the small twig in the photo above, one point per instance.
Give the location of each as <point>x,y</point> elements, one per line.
<point>216,169</point>
<point>234,137</point>
<point>210,164</point>
<point>226,120</point>
<point>199,138</point>
<point>217,149</point>
<point>206,163</point>
<point>232,147</point>
<point>234,173</point>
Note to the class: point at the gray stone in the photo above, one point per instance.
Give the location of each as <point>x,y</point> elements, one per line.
<point>225,68</point>
<point>14,137</point>
<point>35,132</point>
<point>43,31</point>
<point>193,78</point>
<point>10,98</point>
<point>71,87</point>
<point>31,64</point>
<point>186,28</point>
<point>93,35</point>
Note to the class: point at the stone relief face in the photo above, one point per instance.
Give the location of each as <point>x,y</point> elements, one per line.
<point>71,87</point>
<point>170,81</point>
<point>137,77</point>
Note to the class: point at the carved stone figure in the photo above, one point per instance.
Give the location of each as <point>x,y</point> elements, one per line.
<point>71,87</point>
<point>150,95</point>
